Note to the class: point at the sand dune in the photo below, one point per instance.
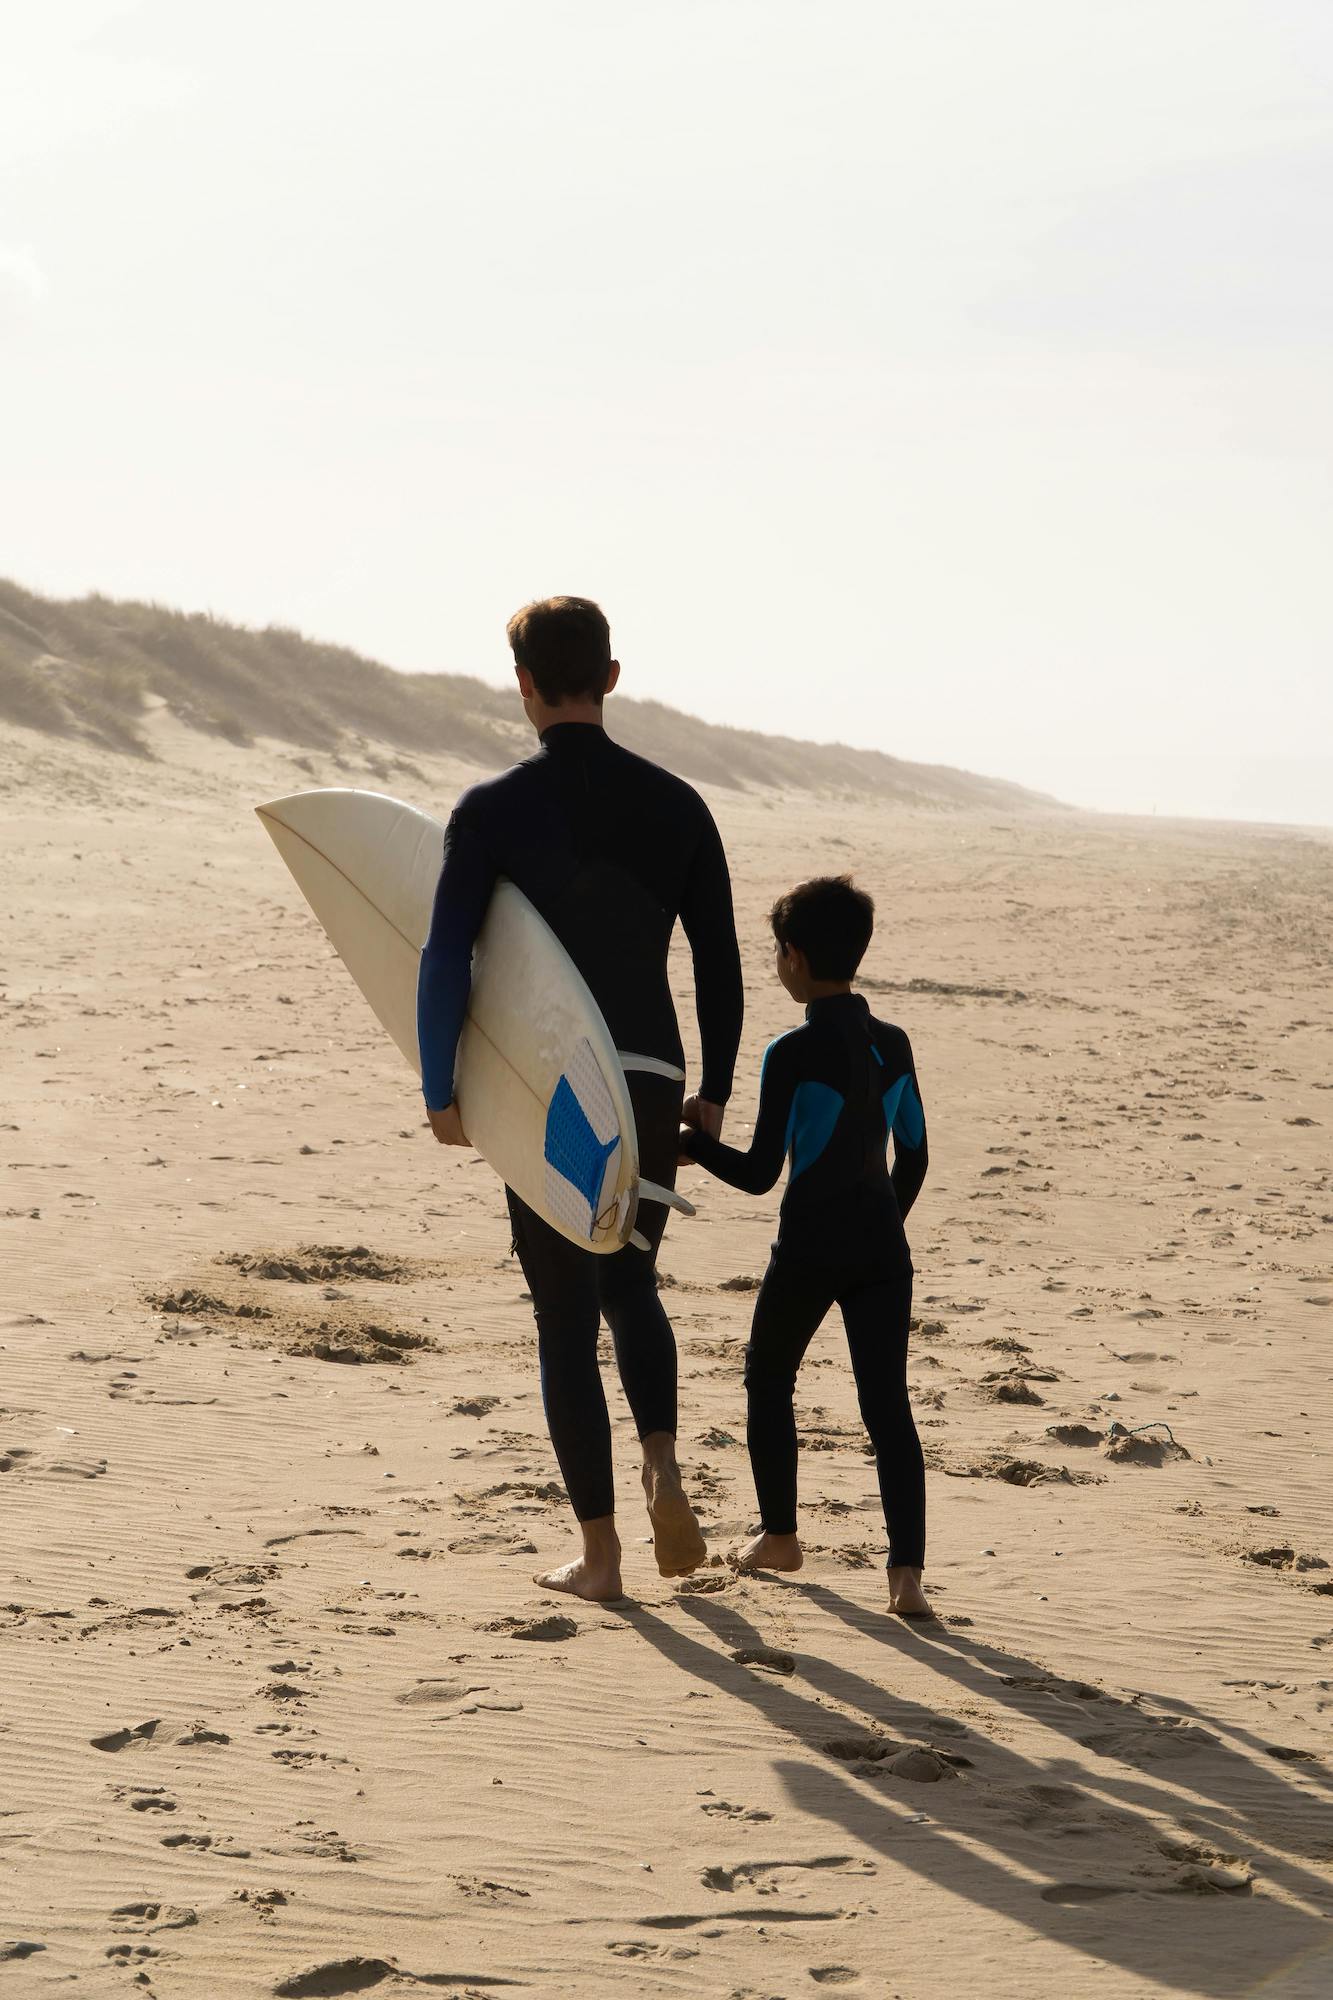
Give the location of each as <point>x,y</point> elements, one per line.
<point>95,670</point>
<point>283,1712</point>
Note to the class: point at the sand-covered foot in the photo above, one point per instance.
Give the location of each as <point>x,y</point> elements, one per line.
<point>596,1578</point>
<point>678,1540</point>
<point>906,1596</point>
<point>765,1551</point>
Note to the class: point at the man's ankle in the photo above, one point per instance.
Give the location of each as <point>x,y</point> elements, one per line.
<point>599,1536</point>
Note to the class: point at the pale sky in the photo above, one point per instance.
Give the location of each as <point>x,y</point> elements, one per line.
<point>952,379</point>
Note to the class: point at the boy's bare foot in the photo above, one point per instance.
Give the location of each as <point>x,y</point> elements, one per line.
<point>599,1582</point>
<point>765,1551</point>
<point>678,1541</point>
<point>906,1596</point>
<point>596,1573</point>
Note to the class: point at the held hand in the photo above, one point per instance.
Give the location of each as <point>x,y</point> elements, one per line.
<point>447,1126</point>
<point>709,1117</point>
<point>689,1113</point>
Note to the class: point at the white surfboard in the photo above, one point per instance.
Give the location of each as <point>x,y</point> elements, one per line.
<point>540,1084</point>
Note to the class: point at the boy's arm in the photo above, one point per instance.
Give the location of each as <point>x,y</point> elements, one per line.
<point>444,981</point>
<point>910,1156</point>
<point>719,991</point>
<point>756,1171</point>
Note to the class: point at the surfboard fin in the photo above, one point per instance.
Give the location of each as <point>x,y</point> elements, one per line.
<point>639,1242</point>
<point>650,1191</point>
<point>650,1065</point>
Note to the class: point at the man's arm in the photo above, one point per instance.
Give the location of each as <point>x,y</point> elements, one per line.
<point>445,979</point>
<point>910,1155</point>
<point>756,1171</point>
<point>719,989</point>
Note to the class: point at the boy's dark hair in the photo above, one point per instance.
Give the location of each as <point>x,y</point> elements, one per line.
<point>830,920</point>
<point>565,644</point>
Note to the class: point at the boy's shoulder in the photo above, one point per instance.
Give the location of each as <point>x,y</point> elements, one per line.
<point>891,1041</point>
<point>789,1043</point>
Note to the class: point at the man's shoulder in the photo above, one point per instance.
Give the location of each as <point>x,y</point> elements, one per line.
<point>491,795</point>
<point>644,771</point>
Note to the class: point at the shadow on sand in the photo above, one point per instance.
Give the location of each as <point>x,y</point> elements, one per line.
<point>1108,1852</point>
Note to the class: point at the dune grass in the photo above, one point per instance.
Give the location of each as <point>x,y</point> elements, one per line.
<point>93,667</point>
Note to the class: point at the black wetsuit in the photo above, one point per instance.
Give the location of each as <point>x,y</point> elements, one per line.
<point>611,850</point>
<point>830,1095</point>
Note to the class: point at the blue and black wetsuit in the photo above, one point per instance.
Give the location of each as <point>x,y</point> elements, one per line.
<point>831,1094</point>
<point>611,850</point>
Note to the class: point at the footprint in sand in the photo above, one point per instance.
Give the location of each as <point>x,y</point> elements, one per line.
<point>335,1977</point>
<point>746,1873</point>
<point>725,1809</point>
<point>491,1544</point>
<point>630,1948</point>
<point>439,1694</point>
<point>769,1659</point>
<point>1167,1737</point>
<point>145,1798</point>
<point>181,1736</point>
<point>297,1535</point>
<point>915,1763</point>
<point>553,1627</point>
<point>15,1458</point>
<point>479,1890</point>
<point>357,1975</point>
<point>1082,1892</point>
<point>682,1921</point>
<point>153,1917</point>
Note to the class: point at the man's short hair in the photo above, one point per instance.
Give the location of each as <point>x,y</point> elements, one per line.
<point>565,644</point>
<point>830,920</point>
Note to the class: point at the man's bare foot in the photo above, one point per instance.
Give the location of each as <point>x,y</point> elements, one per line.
<point>906,1596</point>
<point>596,1573</point>
<point>678,1541</point>
<point>599,1582</point>
<point>765,1551</point>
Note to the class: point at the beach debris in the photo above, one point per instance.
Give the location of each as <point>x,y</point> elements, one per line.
<point>1133,1447</point>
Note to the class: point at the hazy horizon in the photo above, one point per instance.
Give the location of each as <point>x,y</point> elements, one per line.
<point>951,384</point>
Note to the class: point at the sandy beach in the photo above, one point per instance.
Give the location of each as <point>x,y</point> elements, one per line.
<point>283,1711</point>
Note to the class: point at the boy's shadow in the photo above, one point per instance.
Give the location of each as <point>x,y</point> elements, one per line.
<point>1034,1816</point>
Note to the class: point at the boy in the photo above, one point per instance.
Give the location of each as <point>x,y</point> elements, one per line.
<point>829,1095</point>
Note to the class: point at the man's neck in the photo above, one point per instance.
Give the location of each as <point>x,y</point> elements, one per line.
<point>543,716</point>
<point>827,989</point>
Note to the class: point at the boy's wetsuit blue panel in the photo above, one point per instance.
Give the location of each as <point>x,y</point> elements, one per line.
<point>610,849</point>
<point>830,1095</point>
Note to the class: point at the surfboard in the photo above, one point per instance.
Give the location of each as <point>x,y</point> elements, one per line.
<point>540,1084</point>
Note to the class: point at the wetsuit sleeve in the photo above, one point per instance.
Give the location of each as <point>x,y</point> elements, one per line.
<point>756,1172</point>
<point>719,991</point>
<point>910,1155</point>
<point>445,978</point>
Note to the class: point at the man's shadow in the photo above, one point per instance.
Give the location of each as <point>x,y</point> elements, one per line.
<point>1008,1837</point>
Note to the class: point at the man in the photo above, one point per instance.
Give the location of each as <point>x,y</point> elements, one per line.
<point>611,850</point>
